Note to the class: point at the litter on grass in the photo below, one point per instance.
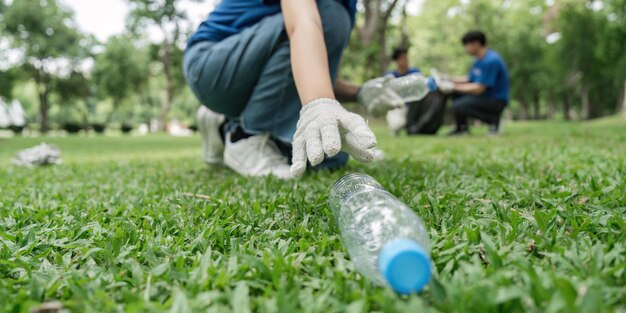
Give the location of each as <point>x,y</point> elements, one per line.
<point>43,154</point>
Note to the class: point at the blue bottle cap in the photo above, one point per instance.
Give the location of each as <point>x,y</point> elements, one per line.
<point>405,265</point>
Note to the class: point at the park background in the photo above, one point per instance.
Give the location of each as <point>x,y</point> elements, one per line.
<point>566,57</point>
<point>529,221</point>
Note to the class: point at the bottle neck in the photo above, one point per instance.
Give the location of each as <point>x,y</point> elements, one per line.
<point>350,185</point>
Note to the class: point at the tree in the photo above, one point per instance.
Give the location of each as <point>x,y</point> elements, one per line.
<point>524,47</point>
<point>624,101</point>
<point>72,90</point>
<point>435,36</point>
<point>7,76</point>
<point>121,70</point>
<point>374,29</point>
<point>7,81</point>
<point>45,33</point>
<point>367,53</point>
<point>593,39</point>
<point>616,33</point>
<point>165,15</point>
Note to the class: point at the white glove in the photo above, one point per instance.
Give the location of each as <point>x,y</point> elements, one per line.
<point>446,86</point>
<point>325,127</point>
<point>378,98</point>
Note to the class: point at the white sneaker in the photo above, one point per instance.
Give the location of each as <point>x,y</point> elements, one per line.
<point>209,127</point>
<point>256,156</point>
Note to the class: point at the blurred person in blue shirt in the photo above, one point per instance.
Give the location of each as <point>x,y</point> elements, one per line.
<point>400,56</point>
<point>422,117</point>
<point>484,93</point>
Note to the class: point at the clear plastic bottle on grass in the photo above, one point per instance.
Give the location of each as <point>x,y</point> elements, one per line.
<point>412,87</point>
<point>387,242</point>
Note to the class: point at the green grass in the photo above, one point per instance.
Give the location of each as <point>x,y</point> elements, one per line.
<point>532,221</point>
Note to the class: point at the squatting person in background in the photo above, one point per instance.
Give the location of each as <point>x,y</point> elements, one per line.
<point>422,117</point>
<point>397,119</point>
<point>484,93</point>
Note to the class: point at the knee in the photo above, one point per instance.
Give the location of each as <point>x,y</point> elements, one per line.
<point>459,106</point>
<point>336,22</point>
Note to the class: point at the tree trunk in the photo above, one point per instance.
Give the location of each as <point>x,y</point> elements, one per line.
<point>44,106</point>
<point>375,30</point>
<point>85,116</point>
<point>523,108</point>
<point>382,41</point>
<point>169,86</point>
<point>537,105</point>
<point>384,60</point>
<point>584,98</point>
<point>372,19</point>
<point>116,104</point>
<point>566,108</point>
<point>550,105</point>
<point>42,81</point>
<point>624,101</point>
<point>404,39</point>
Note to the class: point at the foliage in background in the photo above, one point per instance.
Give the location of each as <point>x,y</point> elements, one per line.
<point>167,18</point>
<point>7,82</point>
<point>367,55</point>
<point>121,71</point>
<point>565,60</point>
<point>45,34</point>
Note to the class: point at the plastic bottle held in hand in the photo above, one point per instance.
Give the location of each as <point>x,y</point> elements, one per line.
<point>410,88</point>
<point>387,242</point>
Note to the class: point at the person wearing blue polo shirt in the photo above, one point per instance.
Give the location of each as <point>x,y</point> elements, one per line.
<point>397,119</point>
<point>401,57</point>
<point>265,72</point>
<point>484,93</point>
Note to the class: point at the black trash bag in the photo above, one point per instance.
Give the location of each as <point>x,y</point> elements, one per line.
<point>426,116</point>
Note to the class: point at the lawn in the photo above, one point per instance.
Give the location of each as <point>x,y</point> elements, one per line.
<point>532,221</point>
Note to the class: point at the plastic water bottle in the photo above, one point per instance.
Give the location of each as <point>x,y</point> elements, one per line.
<point>387,242</point>
<point>412,87</point>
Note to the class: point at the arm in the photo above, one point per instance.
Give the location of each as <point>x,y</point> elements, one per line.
<point>486,77</point>
<point>470,88</point>
<point>346,91</point>
<point>324,126</point>
<point>460,79</point>
<point>309,60</point>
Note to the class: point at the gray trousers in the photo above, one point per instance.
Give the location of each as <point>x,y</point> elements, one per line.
<point>248,77</point>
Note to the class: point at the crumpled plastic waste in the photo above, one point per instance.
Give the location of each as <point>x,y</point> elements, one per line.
<point>40,155</point>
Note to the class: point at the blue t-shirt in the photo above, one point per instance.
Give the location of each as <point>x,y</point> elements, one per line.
<point>396,74</point>
<point>232,16</point>
<point>491,72</point>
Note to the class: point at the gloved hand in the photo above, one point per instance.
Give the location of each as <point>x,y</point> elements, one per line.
<point>432,84</point>
<point>378,98</point>
<point>446,86</point>
<point>325,127</point>
<point>442,81</point>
